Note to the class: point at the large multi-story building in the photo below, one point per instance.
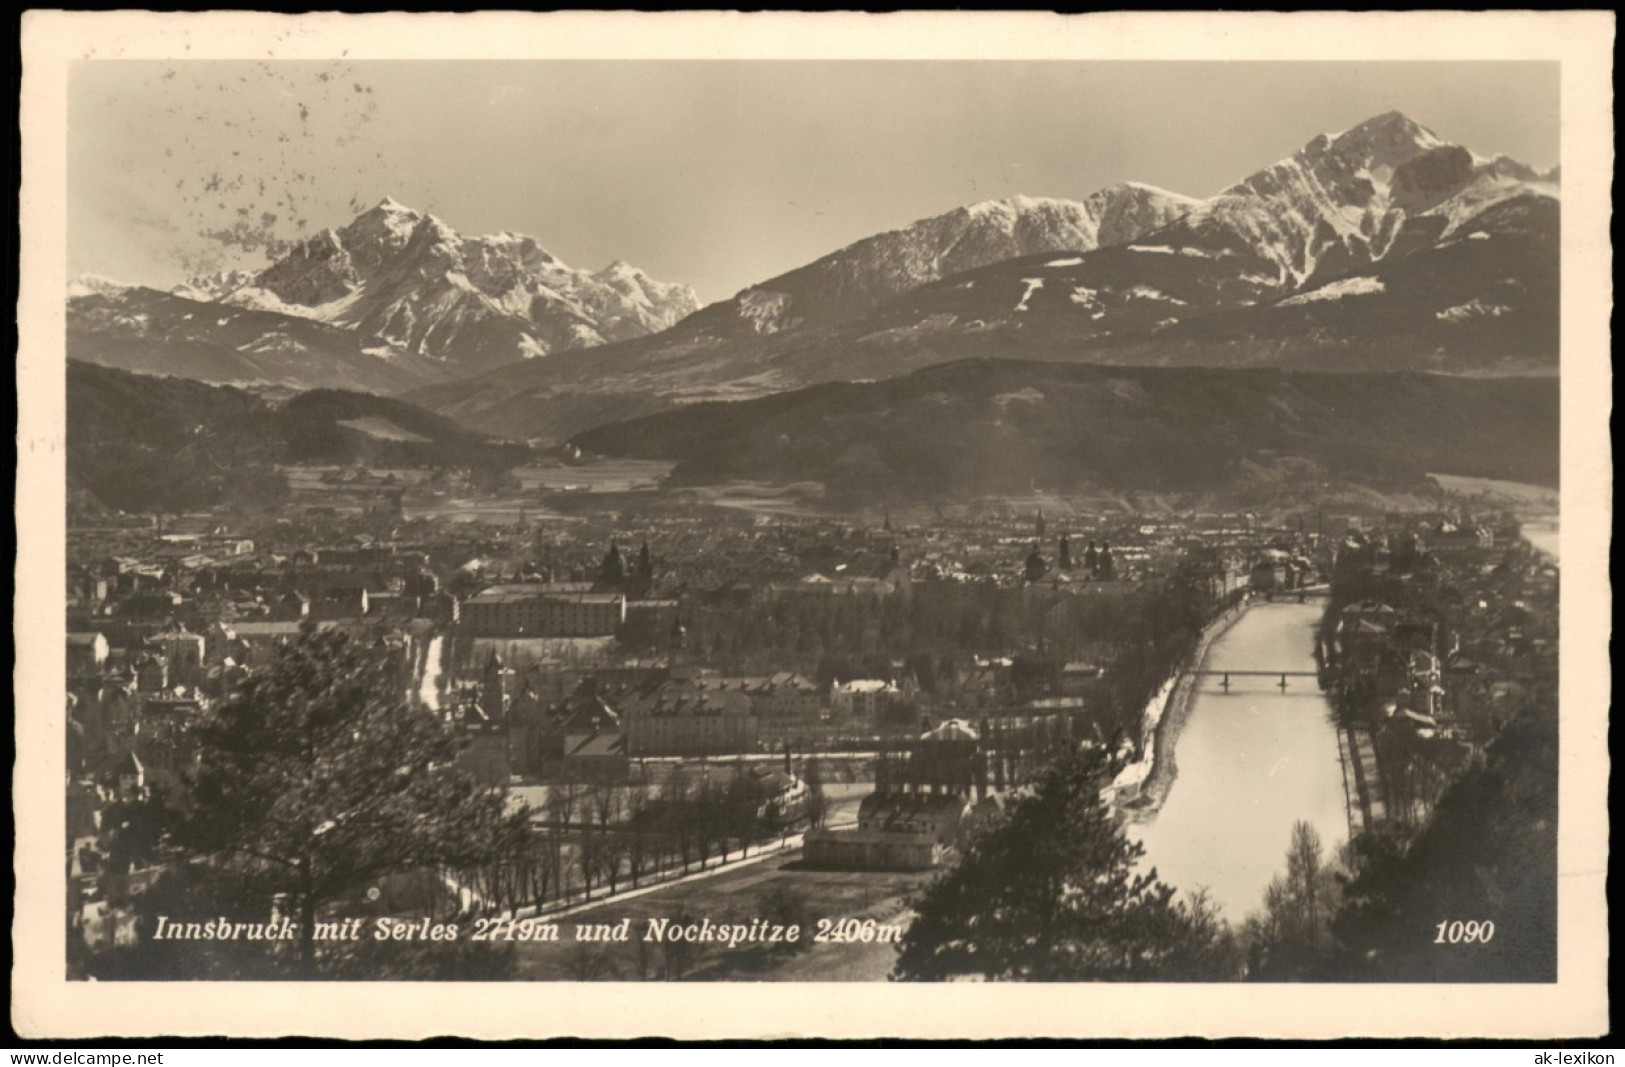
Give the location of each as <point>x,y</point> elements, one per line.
<point>511,612</point>
<point>684,718</point>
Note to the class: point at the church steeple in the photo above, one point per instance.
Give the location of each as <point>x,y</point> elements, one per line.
<point>492,698</point>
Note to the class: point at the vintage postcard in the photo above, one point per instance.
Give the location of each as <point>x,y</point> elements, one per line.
<point>929,525</point>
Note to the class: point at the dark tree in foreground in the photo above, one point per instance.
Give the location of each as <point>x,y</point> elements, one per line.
<point>321,778</point>
<point>1488,855</point>
<point>1054,893</point>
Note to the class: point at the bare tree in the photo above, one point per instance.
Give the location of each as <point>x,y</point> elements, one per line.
<point>603,801</point>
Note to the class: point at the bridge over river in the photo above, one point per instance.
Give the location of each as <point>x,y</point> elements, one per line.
<point>1225,674</point>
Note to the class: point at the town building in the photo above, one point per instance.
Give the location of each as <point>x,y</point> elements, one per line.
<point>516,611</point>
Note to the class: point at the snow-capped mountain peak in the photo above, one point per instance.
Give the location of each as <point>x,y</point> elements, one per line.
<point>406,280</point>
<point>94,285</point>
<point>1347,200</point>
<point>856,279</point>
<point>1387,140</point>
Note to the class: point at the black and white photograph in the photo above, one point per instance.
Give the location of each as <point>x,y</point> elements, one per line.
<point>1076,518</point>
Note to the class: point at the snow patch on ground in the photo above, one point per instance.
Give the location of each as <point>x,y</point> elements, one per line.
<point>1165,250</point>
<point>1473,309</point>
<point>1033,285</point>
<point>1146,292</point>
<point>1070,261</point>
<point>274,342</point>
<point>1028,395</point>
<point>764,309</point>
<point>381,428</point>
<point>252,296</point>
<point>1086,296</point>
<point>1361,285</point>
<point>1133,775</point>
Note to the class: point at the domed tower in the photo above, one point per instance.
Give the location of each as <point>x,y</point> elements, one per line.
<point>613,569</point>
<point>1036,565</point>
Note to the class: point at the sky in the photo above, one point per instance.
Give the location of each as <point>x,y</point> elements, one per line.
<point>720,173</point>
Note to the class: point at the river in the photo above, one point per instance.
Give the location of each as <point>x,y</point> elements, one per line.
<point>1250,763</point>
<point>1537,505</point>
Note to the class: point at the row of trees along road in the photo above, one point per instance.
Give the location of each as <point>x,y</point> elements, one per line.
<point>319,780</point>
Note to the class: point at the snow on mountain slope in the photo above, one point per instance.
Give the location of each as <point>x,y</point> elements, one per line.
<point>405,279</point>
<point>1342,203</point>
<point>856,279</point>
<point>155,332</point>
<point>94,284</point>
<point>1131,275</point>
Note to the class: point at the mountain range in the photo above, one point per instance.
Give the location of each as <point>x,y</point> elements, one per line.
<point>141,442</point>
<point>1001,427</point>
<point>394,299</point>
<point>1379,248</point>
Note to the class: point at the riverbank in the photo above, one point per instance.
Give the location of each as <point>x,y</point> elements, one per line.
<point>1172,705</point>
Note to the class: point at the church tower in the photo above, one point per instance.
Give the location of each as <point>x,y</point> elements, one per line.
<point>613,569</point>
<point>1036,566</point>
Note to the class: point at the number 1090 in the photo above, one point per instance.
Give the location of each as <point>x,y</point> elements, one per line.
<point>1464,933</point>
